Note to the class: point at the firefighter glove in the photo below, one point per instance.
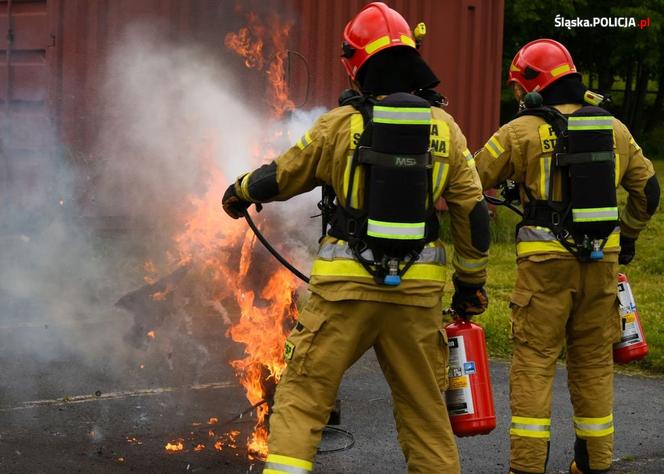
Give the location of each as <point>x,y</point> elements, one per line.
<point>233,204</point>
<point>627,250</point>
<point>468,300</point>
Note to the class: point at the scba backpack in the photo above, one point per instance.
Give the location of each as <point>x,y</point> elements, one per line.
<point>397,217</point>
<point>587,214</point>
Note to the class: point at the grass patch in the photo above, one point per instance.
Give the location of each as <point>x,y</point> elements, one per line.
<point>646,275</point>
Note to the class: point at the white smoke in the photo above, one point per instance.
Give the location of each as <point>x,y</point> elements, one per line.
<point>168,104</point>
<point>164,106</point>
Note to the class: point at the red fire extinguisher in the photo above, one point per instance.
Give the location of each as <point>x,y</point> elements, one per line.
<point>469,396</point>
<point>632,345</point>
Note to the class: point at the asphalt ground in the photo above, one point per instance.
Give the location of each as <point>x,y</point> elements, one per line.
<point>99,420</point>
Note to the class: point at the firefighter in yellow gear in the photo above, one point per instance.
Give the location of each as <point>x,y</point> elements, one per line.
<point>559,299</point>
<point>350,310</point>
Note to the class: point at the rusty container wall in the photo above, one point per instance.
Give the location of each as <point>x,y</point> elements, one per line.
<point>26,135</point>
<point>53,71</point>
<point>88,32</point>
<point>463,46</point>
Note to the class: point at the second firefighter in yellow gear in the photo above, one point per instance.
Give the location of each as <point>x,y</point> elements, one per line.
<point>349,310</point>
<point>559,300</point>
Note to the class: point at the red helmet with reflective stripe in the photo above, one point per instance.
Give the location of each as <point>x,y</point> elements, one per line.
<point>539,63</point>
<point>375,28</point>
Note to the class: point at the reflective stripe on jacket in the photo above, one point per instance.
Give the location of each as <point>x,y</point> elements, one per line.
<point>522,149</point>
<point>533,240</point>
<point>337,259</point>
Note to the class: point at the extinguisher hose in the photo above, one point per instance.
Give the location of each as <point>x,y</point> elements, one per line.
<point>272,250</point>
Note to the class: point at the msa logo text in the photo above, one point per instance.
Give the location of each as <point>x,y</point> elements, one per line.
<point>404,161</point>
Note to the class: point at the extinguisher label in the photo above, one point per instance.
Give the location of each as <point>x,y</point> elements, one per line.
<point>631,332</point>
<point>458,383</point>
<point>458,396</point>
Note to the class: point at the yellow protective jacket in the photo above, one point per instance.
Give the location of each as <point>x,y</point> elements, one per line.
<point>521,150</point>
<point>323,155</point>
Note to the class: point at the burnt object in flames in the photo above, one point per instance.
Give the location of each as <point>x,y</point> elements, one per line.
<point>150,312</point>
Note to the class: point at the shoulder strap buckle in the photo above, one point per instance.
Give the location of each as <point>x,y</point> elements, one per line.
<point>555,218</point>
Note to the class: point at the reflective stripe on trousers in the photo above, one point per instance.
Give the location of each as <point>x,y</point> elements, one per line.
<point>531,427</point>
<point>469,265</point>
<point>276,463</point>
<point>593,427</point>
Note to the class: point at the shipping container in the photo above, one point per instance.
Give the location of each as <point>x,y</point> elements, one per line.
<point>53,57</point>
<point>463,46</point>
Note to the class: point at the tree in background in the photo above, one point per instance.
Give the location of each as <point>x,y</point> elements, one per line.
<point>626,62</point>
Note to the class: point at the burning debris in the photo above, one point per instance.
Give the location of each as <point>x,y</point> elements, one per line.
<point>175,446</point>
<point>227,440</point>
<point>216,267</point>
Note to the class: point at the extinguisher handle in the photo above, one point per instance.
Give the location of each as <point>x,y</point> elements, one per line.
<point>455,316</point>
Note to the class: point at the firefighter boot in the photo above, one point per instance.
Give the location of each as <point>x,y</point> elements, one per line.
<point>581,463</point>
<point>574,469</point>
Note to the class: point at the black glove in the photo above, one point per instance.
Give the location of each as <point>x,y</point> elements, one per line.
<point>234,206</point>
<point>627,250</point>
<point>468,300</point>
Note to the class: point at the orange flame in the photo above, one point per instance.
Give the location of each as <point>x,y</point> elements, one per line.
<point>262,330</point>
<point>276,71</point>
<point>249,43</point>
<point>211,241</point>
<point>227,439</point>
<point>175,446</point>
<point>160,295</point>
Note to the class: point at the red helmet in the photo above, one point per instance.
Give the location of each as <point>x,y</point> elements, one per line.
<point>539,63</point>
<point>375,28</point>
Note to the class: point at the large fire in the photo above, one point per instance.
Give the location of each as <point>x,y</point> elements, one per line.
<point>263,330</point>
<point>223,249</point>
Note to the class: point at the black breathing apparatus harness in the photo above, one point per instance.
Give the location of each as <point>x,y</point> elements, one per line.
<point>583,156</point>
<point>387,233</point>
<point>397,161</point>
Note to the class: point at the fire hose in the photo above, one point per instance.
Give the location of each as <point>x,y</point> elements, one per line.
<point>510,194</point>
<point>271,249</point>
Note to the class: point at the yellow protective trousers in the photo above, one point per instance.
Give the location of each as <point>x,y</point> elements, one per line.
<point>330,336</point>
<point>560,301</point>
